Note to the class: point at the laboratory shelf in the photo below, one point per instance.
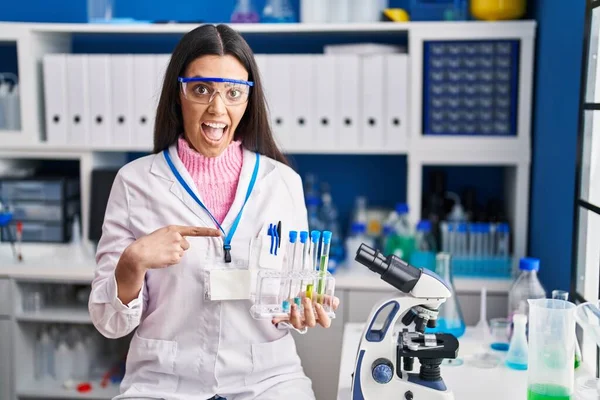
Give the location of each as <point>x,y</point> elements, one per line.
<point>52,390</point>
<point>70,315</point>
<point>516,27</point>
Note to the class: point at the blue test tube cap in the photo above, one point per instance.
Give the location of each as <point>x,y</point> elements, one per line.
<point>303,236</point>
<point>293,236</point>
<point>315,236</point>
<point>402,208</point>
<point>529,264</point>
<point>424,226</point>
<point>326,237</point>
<point>485,228</point>
<point>462,227</point>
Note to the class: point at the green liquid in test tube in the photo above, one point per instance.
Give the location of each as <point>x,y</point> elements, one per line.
<point>323,267</point>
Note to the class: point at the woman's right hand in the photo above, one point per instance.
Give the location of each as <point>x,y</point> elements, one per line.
<point>165,246</point>
<point>162,248</point>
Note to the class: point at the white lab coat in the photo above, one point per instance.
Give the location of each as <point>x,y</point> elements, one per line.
<point>187,347</point>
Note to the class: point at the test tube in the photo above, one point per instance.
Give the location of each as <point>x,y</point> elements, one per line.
<point>461,239</point>
<point>300,266</point>
<point>314,252</point>
<point>289,268</point>
<point>323,266</point>
<point>502,240</point>
<point>444,229</point>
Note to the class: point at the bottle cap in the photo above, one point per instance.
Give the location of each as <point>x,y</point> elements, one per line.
<point>402,208</point>
<point>303,236</point>
<point>315,236</point>
<point>529,264</point>
<point>358,227</point>
<point>424,226</point>
<point>293,236</point>
<point>326,237</point>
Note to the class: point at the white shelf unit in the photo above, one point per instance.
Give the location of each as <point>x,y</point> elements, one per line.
<point>51,390</point>
<point>55,264</point>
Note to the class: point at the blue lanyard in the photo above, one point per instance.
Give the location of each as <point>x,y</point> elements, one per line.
<point>229,236</point>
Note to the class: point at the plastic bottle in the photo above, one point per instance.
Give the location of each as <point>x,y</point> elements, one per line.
<point>357,236</point>
<point>63,362</point>
<point>527,286</point>
<point>244,12</point>
<point>518,350</point>
<point>402,242</point>
<point>425,248</point>
<point>278,11</point>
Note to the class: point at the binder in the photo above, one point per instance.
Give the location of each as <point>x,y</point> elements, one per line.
<point>55,97</point>
<point>348,113</point>
<point>326,100</point>
<point>372,98</point>
<point>77,99</point>
<point>301,95</point>
<point>161,62</point>
<point>396,101</point>
<point>279,86</point>
<point>144,110</point>
<point>100,108</point>
<point>122,99</point>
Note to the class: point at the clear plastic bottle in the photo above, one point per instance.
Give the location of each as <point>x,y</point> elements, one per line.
<point>425,247</point>
<point>278,11</point>
<point>357,236</point>
<point>527,286</point>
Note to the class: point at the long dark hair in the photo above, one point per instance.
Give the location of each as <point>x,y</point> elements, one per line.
<point>254,130</point>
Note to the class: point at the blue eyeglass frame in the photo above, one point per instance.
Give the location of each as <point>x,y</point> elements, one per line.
<point>208,79</point>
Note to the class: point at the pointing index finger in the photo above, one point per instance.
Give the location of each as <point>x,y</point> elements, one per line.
<point>197,231</point>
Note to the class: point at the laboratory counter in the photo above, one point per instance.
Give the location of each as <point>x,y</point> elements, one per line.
<point>76,263</point>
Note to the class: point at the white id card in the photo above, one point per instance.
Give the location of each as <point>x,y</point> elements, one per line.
<point>229,284</point>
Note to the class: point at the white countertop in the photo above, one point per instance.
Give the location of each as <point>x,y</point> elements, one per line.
<point>466,381</point>
<point>67,262</point>
<point>55,262</point>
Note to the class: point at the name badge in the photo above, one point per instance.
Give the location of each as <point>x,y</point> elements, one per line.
<point>229,284</point>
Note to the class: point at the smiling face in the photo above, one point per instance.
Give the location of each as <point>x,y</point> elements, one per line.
<point>209,128</point>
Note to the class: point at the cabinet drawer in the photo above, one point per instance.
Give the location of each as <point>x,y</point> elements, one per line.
<point>5,297</point>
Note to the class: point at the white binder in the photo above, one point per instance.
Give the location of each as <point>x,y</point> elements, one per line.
<point>396,101</point>
<point>161,62</point>
<point>326,99</point>
<point>55,97</point>
<point>144,100</point>
<point>100,108</point>
<point>279,87</point>
<point>122,99</point>
<point>78,99</point>
<point>302,75</point>
<point>348,114</point>
<point>372,97</point>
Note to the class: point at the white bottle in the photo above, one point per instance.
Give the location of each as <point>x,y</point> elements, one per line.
<point>63,362</point>
<point>81,361</point>
<point>358,236</point>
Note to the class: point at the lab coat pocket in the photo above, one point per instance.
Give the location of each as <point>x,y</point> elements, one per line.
<point>275,358</point>
<point>150,365</point>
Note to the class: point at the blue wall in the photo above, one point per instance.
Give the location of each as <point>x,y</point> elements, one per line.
<point>557,87</point>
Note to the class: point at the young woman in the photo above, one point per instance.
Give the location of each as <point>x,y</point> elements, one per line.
<point>184,232</point>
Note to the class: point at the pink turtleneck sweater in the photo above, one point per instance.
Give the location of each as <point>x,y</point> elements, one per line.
<point>215,177</point>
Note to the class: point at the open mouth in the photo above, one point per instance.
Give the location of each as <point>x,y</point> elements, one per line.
<point>214,131</point>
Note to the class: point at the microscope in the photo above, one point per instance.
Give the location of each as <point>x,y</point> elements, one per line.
<point>385,359</point>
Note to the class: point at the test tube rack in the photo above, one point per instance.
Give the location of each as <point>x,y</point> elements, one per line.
<point>277,290</point>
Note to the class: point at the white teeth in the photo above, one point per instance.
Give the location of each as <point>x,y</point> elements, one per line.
<point>215,125</point>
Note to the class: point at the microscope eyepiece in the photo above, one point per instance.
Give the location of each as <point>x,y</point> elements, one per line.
<point>392,269</point>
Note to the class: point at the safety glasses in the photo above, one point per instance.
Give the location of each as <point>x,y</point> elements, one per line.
<point>202,90</point>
